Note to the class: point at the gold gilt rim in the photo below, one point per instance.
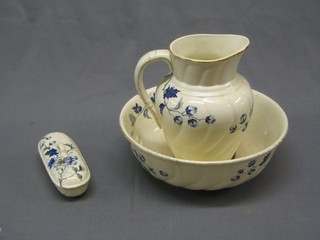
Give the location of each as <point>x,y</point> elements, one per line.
<point>241,50</point>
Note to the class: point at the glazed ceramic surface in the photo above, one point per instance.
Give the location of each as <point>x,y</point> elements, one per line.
<point>266,131</point>
<point>203,106</point>
<point>64,163</point>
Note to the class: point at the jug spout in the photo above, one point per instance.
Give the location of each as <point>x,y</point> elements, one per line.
<point>207,59</point>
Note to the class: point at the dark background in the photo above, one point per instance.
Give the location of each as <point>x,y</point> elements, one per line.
<point>68,66</point>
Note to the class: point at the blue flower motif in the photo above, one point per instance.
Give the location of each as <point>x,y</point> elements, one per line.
<point>243,118</point>
<point>170,92</point>
<point>178,120</point>
<point>51,163</point>
<point>163,173</point>
<point>235,178</point>
<point>52,152</point>
<point>137,108</point>
<point>192,122</point>
<point>251,171</point>
<point>210,119</point>
<point>141,158</point>
<point>70,160</point>
<point>161,107</point>
<point>251,163</point>
<point>233,128</point>
<point>191,110</point>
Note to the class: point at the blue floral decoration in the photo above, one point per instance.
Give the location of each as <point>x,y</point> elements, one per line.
<point>242,125</point>
<point>178,112</point>
<point>51,163</point>
<point>71,160</point>
<point>137,111</point>
<point>144,164</point>
<point>170,92</point>
<point>161,107</point>
<point>178,120</point>
<point>191,110</point>
<point>52,152</point>
<point>251,168</point>
<point>210,119</point>
<point>66,164</point>
<point>192,122</point>
<point>137,108</point>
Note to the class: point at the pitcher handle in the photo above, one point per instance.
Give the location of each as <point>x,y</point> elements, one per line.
<point>145,60</point>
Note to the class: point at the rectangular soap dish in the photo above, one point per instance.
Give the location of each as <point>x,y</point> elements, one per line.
<point>64,163</point>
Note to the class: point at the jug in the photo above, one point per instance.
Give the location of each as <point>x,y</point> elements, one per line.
<point>203,105</point>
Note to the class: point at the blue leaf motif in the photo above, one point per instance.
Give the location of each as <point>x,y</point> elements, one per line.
<point>161,107</point>
<point>170,92</point>
<point>80,168</point>
<point>51,163</point>
<point>245,126</point>
<point>265,159</point>
<point>146,113</point>
<point>52,152</point>
<point>191,110</point>
<point>153,98</point>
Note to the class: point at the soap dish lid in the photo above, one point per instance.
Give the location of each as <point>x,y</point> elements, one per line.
<point>64,163</point>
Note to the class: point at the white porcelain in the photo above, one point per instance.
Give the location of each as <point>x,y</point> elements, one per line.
<point>64,163</point>
<point>204,105</point>
<point>266,131</point>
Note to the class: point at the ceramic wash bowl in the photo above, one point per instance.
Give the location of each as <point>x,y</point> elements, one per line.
<point>267,129</point>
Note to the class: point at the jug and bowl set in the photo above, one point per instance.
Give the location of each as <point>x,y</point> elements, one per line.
<point>202,127</point>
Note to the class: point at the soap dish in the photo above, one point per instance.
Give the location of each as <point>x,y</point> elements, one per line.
<point>64,163</point>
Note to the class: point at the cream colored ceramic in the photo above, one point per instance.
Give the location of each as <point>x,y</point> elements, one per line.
<point>266,131</point>
<point>64,164</point>
<point>204,105</point>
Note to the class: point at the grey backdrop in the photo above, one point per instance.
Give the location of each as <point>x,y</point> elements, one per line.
<point>68,66</point>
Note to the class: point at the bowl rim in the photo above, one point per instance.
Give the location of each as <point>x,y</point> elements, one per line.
<point>197,162</point>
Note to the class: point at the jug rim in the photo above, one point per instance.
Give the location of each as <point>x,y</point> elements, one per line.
<point>213,60</point>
